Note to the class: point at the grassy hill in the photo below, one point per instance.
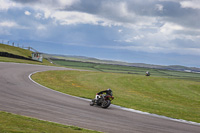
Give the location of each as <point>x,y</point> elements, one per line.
<point>15,50</point>
<point>19,52</point>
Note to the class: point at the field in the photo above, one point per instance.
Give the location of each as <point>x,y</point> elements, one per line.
<point>172,97</point>
<point>128,69</point>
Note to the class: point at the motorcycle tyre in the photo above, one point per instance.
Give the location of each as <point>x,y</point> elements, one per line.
<point>92,102</point>
<point>106,104</point>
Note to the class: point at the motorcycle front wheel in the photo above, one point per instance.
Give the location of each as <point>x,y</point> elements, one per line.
<point>105,104</point>
<point>92,102</point>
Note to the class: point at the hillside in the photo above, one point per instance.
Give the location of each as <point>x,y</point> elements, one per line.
<point>18,55</point>
<point>15,50</point>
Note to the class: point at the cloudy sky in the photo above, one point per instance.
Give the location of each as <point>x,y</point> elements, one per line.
<point>164,32</point>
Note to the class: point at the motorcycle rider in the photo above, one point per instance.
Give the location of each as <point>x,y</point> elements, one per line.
<point>108,92</point>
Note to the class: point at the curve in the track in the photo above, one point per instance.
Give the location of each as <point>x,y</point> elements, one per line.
<point>18,94</point>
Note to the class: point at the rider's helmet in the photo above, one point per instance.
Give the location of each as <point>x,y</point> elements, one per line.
<point>109,91</point>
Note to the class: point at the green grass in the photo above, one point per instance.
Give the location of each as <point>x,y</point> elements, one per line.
<point>170,97</point>
<point>15,50</point>
<point>7,59</point>
<point>128,70</point>
<point>11,123</point>
<point>20,52</point>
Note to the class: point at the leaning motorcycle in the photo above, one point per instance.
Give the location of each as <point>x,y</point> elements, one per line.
<point>104,101</point>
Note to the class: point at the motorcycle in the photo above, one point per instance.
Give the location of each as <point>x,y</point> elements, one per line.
<point>104,101</point>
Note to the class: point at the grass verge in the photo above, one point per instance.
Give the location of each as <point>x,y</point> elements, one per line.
<point>7,59</point>
<point>170,97</point>
<point>20,52</point>
<point>11,123</point>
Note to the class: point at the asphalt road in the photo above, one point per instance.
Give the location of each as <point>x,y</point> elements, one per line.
<point>19,95</point>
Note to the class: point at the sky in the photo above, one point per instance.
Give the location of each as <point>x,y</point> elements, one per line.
<point>161,32</point>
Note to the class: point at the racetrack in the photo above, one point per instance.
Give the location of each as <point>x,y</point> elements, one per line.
<point>19,95</point>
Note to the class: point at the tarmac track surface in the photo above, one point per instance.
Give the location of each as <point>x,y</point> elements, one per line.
<point>19,95</point>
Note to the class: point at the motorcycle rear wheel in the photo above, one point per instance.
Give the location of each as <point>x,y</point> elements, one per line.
<point>105,104</point>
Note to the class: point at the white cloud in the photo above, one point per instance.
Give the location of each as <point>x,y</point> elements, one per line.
<point>71,18</point>
<point>47,13</point>
<point>41,27</point>
<point>8,24</point>
<point>195,4</point>
<point>74,18</point>
<point>38,15</point>
<point>159,7</point>
<point>120,30</point>
<point>169,28</point>
<point>123,10</point>
<point>64,3</point>
<point>6,4</point>
<point>27,13</point>
<point>134,38</point>
<point>11,24</point>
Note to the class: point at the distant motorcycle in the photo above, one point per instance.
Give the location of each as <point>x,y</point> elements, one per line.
<point>104,101</point>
